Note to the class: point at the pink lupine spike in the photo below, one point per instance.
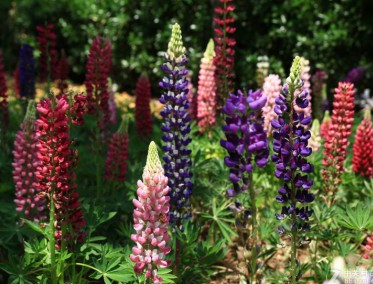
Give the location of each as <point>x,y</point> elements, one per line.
<point>150,221</point>
<point>272,89</point>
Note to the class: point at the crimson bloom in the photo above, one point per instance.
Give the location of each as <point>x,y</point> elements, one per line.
<point>48,52</point>
<point>143,114</point>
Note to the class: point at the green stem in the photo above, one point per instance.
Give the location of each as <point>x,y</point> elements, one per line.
<point>254,231</point>
<point>177,257</point>
<point>293,252</point>
<point>52,241</point>
<point>63,249</point>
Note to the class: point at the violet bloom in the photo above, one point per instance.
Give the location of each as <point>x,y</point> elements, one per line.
<point>355,75</point>
<point>246,139</point>
<point>291,149</point>
<point>176,127</point>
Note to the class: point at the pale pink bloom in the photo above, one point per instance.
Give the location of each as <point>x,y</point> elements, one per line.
<point>151,219</point>
<point>315,140</point>
<point>271,89</point>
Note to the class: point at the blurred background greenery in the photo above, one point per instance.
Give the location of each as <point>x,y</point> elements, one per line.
<point>333,35</point>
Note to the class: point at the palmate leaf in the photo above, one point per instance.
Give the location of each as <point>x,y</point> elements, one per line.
<point>359,218</point>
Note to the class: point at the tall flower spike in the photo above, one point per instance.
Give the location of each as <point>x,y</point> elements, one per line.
<point>112,107</point>
<point>291,149</point>
<point>176,128</point>
<point>117,154</point>
<point>315,139</point>
<point>143,114</point>
<point>62,74</point>
<point>271,89</point>
<point>151,220</point>
<point>56,171</point>
<point>246,140</point>
<point>324,128</point>
<point>224,48</point>
<point>27,72</point>
<point>262,67</point>
<point>206,103</point>
<point>362,159</point>
<point>336,142</point>
<point>319,93</point>
<point>48,52</point>
<point>29,203</point>
<point>4,111</point>
<point>192,98</point>
<point>305,76</point>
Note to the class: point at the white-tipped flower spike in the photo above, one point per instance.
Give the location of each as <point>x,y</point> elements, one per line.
<point>315,140</point>
<point>175,46</point>
<point>294,78</point>
<point>151,219</point>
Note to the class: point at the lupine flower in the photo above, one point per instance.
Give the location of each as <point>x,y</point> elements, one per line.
<point>315,139</point>
<point>117,154</point>
<point>62,74</point>
<point>192,98</point>
<point>368,247</point>
<point>96,79</point>
<point>271,89</point>
<point>355,75</point>
<point>143,114</point>
<point>262,67</point>
<point>48,52</point>
<point>336,142</point>
<point>17,82</point>
<point>291,149</point>
<point>27,72</point>
<point>4,112</point>
<point>206,103</point>
<point>305,76</point>
<point>246,140</point>
<point>362,159</point>
<point>112,107</point>
<point>224,48</point>
<point>176,127</point>
<point>151,219</point>
<point>28,200</point>
<point>77,109</point>
<point>319,93</point>
<point>56,176</point>
<point>324,128</point>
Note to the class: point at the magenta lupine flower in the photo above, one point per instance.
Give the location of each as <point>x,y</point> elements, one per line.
<point>28,201</point>
<point>206,102</point>
<point>306,78</point>
<point>151,219</point>
<point>271,89</point>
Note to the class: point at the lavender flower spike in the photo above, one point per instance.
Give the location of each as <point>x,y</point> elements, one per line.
<point>176,128</point>
<point>246,139</point>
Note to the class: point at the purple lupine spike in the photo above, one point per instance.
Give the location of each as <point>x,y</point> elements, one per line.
<point>246,140</point>
<point>176,128</point>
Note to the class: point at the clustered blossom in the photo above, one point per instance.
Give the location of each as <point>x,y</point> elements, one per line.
<point>362,159</point>
<point>224,49</point>
<point>151,219</point>
<point>206,102</point>
<point>28,200</point>
<point>305,77</point>
<point>117,154</point>
<point>319,93</point>
<point>96,79</point>
<point>56,175</point>
<point>368,247</point>
<point>291,149</point>
<point>271,89</point>
<point>325,124</point>
<point>262,67</point>
<point>27,72</point>
<point>143,114</point>
<point>355,75</point>
<point>62,74</point>
<point>246,140</point>
<point>48,52</point>
<point>336,142</point>
<point>176,127</point>
<point>192,98</point>
<point>315,139</point>
<point>4,112</point>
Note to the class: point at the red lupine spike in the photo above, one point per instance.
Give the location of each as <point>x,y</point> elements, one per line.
<point>48,53</point>
<point>143,114</point>
<point>62,74</point>
<point>56,172</point>
<point>362,160</point>
<point>4,112</point>
<point>336,142</point>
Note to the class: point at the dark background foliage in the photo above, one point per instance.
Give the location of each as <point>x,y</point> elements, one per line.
<point>334,35</point>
